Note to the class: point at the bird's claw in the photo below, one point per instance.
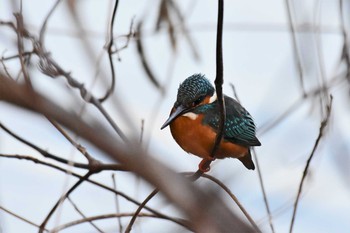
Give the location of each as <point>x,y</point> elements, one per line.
<point>204,165</point>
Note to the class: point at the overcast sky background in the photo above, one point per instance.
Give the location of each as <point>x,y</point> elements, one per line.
<point>258,60</point>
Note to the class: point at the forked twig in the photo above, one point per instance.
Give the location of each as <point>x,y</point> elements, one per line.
<point>62,198</point>
<point>116,192</point>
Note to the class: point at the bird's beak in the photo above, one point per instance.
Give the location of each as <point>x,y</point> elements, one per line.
<point>178,111</point>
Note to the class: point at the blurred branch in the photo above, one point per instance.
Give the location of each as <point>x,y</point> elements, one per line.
<point>24,54</point>
<point>203,27</point>
<point>116,192</point>
<point>213,217</point>
<point>321,133</point>
<point>49,67</point>
<point>334,81</point>
<point>21,32</point>
<point>144,61</point>
<point>44,25</point>
<point>345,52</point>
<point>297,56</point>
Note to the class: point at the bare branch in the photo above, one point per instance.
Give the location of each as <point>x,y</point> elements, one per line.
<point>82,215</point>
<point>219,80</point>
<point>101,217</point>
<point>295,46</point>
<point>213,217</point>
<point>306,169</point>
<point>61,200</point>
<point>116,192</point>
<point>110,53</point>
<point>20,217</point>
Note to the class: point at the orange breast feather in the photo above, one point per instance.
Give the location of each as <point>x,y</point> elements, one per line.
<point>198,139</point>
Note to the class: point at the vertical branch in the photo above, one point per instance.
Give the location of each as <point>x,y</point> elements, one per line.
<point>345,53</point>
<point>117,203</point>
<point>219,80</point>
<point>110,52</point>
<point>306,169</point>
<point>21,32</point>
<point>260,179</point>
<point>262,186</point>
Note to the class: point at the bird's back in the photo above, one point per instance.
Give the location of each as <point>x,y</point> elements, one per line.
<point>239,125</point>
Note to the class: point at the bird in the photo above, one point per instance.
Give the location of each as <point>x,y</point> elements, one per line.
<point>194,122</point>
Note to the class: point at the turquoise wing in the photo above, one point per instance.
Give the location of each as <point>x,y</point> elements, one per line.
<point>239,124</point>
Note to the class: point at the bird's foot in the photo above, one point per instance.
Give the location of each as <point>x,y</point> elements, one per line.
<point>204,165</point>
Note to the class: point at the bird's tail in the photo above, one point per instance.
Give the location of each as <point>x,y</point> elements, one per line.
<point>247,161</point>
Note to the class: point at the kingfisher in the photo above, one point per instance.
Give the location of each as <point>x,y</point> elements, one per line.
<point>194,122</point>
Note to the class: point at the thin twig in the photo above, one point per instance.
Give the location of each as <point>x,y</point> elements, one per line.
<point>116,192</point>
<point>94,164</point>
<point>297,56</point>
<point>214,216</point>
<point>110,53</point>
<point>21,32</point>
<point>195,176</point>
<point>306,169</point>
<point>105,216</point>
<point>262,186</point>
<point>137,212</point>
<point>105,167</point>
<point>44,25</point>
<point>20,217</point>
<point>234,198</point>
<point>62,198</point>
<point>24,54</point>
<point>144,61</point>
<point>336,80</point>
<point>260,180</point>
<point>82,215</point>
<point>117,203</point>
<point>345,53</point>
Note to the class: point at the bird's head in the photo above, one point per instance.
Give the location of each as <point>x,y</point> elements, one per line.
<point>191,93</point>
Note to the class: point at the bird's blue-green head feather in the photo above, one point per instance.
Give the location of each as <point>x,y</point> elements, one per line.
<point>190,94</point>
<point>193,90</point>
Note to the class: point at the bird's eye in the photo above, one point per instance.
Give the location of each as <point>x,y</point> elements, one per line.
<point>197,101</point>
